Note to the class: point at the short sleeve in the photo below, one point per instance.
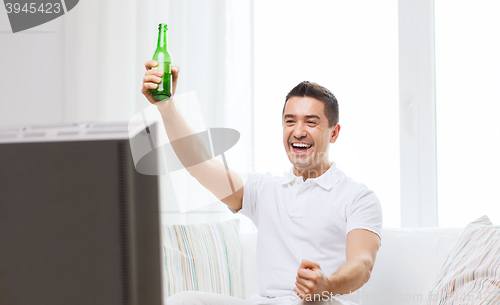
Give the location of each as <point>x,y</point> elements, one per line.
<point>365,212</point>
<point>250,197</point>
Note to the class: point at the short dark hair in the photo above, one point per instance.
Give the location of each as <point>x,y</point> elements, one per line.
<point>310,89</point>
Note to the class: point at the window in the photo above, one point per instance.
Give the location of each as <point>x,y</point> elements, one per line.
<point>467,110</point>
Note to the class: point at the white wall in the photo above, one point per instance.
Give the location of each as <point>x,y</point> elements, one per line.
<point>31,73</point>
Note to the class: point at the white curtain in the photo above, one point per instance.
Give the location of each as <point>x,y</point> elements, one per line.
<point>106,45</point>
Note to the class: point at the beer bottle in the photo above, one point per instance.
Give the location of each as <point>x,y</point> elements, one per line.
<point>164,90</point>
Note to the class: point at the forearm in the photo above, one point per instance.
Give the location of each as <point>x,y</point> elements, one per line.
<point>193,154</point>
<point>175,124</point>
<point>351,276</point>
<point>188,146</point>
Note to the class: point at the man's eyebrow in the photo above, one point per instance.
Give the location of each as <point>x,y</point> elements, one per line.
<point>313,116</point>
<point>309,116</point>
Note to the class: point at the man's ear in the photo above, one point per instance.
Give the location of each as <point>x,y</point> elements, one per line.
<point>335,133</point>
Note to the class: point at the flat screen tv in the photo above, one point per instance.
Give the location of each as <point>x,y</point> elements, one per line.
<point>78,223</point>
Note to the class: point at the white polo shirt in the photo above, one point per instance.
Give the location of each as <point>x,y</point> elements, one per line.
<point>299,220</point>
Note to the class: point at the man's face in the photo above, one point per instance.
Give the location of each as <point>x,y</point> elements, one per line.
<point>306,134</point>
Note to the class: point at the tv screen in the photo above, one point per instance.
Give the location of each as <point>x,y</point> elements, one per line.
<point>78,223</point>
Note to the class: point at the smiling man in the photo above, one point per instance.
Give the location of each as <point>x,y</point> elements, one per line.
<point>318,230</point>
<point>308,129</point>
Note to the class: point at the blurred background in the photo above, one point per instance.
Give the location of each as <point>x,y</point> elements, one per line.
<point>418,85</point>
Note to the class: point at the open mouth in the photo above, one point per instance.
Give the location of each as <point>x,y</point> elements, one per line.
<point>301,147</point>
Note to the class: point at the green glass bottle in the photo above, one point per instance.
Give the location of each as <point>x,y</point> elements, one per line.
<point>164,90</point>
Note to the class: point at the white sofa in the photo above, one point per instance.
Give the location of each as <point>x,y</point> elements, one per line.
<point>406,265</point>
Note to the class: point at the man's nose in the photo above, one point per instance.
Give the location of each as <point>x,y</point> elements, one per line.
<point>299,131</point>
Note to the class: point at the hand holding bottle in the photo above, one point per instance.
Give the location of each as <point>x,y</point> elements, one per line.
<point>152,78</point>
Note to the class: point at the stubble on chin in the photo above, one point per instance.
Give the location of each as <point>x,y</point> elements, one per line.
<point>312,166</point>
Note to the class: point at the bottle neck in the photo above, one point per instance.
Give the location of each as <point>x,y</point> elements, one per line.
<point>162,39</point>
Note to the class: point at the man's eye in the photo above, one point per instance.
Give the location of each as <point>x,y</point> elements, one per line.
<point>289,121</point>
<point>311,122</point>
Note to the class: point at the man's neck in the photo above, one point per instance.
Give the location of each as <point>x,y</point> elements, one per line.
<point>312,172</point>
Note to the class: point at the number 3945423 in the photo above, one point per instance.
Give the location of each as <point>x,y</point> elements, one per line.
<point>32,8</point>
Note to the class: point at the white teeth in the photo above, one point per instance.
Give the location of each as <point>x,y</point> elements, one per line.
<point>301,145</point>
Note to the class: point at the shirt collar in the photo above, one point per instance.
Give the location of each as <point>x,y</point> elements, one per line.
<point>326,181</point>
<point>288,177</point>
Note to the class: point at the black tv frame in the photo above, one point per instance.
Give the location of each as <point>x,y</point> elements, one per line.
<point>78,223</point>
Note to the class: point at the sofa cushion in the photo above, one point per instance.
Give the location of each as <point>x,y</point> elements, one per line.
<point>203,257</point>
<point>471,272</point>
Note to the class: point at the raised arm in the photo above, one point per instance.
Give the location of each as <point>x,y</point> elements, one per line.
<point>361,249</point>
<point>212,174</point>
